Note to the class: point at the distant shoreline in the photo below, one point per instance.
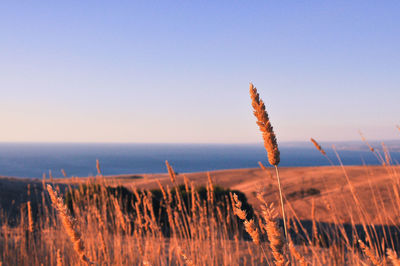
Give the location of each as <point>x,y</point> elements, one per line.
<point>34,160</point>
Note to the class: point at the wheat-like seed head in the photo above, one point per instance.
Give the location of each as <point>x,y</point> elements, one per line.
<point>252,230</point>
<point>170,198</point>
<point>318,146</point>
<point>193,193</point>
<point>178,198</point>
<point>50,176</point>
<point>69,224</point>
<point>139,214</point>
<point>59,260</point>
<point>369,253</point>
<point>98,167</point>
<point>44,180</point>
<point>366,142</point>
<point>392,255</point>
<point>137,195</point>
<point>187,260</point>
<point>297,255</point>
<point>273,232</point>
<point>186,181</point>
<point>262,166</point>
<point>210,188</point>
<point>276,240</point>
<point>162,190</point>
<point>237,210</point>
<point>249,226</point>
<point>265,126</point>
<point>171,172</point>
<point>120,215</point>
<point>30,219</point>
<point>63,173</point>
<point>386,153</point>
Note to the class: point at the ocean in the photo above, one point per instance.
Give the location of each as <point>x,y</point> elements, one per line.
<point>78,159</point>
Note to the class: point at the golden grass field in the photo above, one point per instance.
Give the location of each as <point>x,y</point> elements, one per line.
<point>332,215</point>
<point>329,180</point>
<point>375,188</point>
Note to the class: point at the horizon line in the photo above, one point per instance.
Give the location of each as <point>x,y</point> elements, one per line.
<point>192,143</point>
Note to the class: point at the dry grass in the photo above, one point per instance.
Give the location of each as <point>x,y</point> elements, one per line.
<point>207,232</point>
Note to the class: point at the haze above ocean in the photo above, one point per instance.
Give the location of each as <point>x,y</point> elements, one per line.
<point>79,159</point>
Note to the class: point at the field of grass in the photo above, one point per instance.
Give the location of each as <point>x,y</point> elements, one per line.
<point>332,215</point>
<point>195,223</point>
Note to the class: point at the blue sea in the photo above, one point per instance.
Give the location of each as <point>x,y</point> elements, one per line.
<point>34,159</point>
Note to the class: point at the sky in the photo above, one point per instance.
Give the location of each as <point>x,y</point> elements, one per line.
<point>179,71</point>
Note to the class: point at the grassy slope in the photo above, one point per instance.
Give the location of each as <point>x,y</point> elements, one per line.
<point>330,181</point>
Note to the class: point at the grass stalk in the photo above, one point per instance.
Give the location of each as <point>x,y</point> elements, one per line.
<point>281,200</point>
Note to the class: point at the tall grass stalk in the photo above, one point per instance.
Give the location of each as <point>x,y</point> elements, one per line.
<point>270,142</point>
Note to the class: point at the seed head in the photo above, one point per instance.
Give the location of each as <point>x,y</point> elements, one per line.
<point>264,124</point>
<point>318,146</point>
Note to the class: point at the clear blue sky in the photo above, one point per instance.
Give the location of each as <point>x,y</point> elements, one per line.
<point>178,71</point>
